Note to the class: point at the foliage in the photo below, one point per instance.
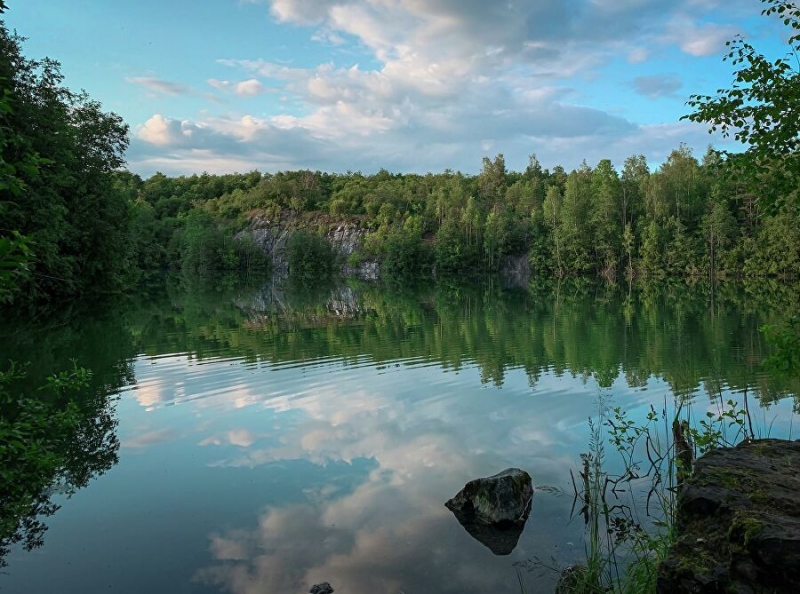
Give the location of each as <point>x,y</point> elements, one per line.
<point>761,111</point>
<point>206,248</point>
<point>684,218</point>
<point>95,227</point>
<point>454,253</point>
<point>624,550</point>
<point>310,256</point>
<point>15,258</point>
<point>56,158</point>
<point>407,257</point>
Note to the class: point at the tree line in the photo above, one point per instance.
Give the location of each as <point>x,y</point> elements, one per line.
<point>682,218</point>
<point>74,223</point>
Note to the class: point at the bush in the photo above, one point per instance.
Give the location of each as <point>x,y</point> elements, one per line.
<point>310,256</point>
<point>205,247</point>
<point>407,257</point>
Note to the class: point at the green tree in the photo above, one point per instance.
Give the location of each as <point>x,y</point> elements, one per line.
<point>719,232</point>
<point>407,257</point>
<point>606,217</point>
<point>65,200</point>
<point>634,178</point>
<point>552,206</point>
<point>761,109</point>
<point>574,231</point>
<point>502,236</point>
<point>493,181</point>
<point>310,256</point>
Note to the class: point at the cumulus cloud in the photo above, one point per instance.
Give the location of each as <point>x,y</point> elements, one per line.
<point>249,88</point>
<point>698,39</point>
<point>163,131</point>
<point>441,83</point>
<point>160,85</point>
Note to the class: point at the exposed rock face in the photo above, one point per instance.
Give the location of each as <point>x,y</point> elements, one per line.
<point>494,509</point>
<point>323,588</point>
<point>738,523</point>
<point>345,237</point>
<point>272,240</point>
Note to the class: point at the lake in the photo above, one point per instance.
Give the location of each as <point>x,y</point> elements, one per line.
<point>264,438</point>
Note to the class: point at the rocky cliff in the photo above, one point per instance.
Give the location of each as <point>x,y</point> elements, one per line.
<point>346,235</point>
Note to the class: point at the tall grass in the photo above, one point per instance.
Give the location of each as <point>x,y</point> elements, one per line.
<point>629,513</point>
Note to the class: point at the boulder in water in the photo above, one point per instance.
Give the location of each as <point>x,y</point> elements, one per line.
<point>504,498</point>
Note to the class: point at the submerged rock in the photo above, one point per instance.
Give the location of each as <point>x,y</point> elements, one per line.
<point>494,509</point>
<point>323,588</point>
<point>738,523</point>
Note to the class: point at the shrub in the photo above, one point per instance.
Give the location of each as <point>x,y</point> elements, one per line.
<point>407,257</point>
<point>310,256</point>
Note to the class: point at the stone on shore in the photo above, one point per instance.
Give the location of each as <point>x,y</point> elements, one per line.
<point>738,523</point>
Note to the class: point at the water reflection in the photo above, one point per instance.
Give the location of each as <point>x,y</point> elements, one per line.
<point>271,442</point>
<point>57,430</point>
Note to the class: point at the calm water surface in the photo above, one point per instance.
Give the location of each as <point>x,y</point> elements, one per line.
<point>272,439</point>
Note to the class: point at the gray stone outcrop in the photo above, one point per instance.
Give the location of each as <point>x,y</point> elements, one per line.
<point>272,234</point>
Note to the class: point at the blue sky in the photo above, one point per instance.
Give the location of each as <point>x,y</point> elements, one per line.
<point>409,85</point>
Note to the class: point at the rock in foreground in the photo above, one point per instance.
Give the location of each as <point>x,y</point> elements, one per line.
<point>502,498</point>
<point>738,523</point>
<point>494,509</point>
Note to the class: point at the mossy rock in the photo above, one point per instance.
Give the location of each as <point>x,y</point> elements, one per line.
<point>493,510</point>
<point>738,523</point>
<point>503,498</point>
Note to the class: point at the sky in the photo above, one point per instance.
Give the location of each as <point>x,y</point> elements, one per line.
<point>407,85</point>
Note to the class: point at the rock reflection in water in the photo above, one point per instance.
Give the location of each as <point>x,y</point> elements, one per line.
<point>501,539</point>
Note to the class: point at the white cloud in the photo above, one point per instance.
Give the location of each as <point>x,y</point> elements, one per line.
<point>249,88</point>
<point>698,39</point>
<point>160,130</point>
<point>220,85</point>
<point>438,82</point>
<point>160,85</point>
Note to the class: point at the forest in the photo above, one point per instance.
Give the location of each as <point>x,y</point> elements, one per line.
<point>681,219</point>
<point>76,223</point>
